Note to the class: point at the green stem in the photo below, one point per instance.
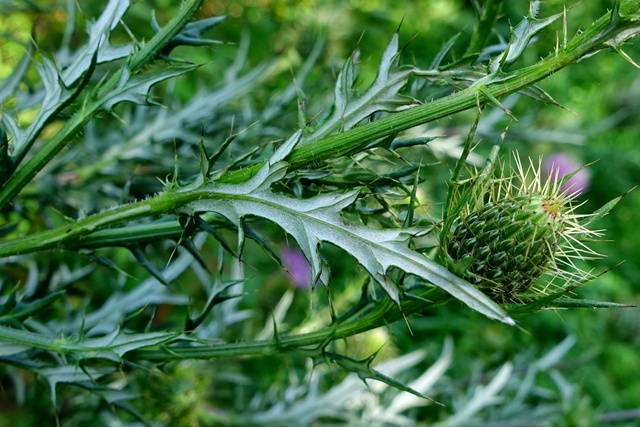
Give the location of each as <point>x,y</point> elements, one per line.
<point>371,316</point>
<point>481,92</point>
<point>164,203</point>
<point>486,23</point>
<point>354,140</point>
<point>64,136</point>
<point>384,312</point>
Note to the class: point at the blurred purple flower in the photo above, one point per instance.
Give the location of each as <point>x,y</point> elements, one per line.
<point>559,165</point>
<point>297,267</point>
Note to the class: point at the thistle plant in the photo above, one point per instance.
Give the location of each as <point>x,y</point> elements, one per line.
<point>130,227</point>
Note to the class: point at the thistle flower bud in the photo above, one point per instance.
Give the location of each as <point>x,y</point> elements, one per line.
<point>516,231</point>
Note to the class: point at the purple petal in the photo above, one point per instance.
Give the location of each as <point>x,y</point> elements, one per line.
<point>559,165</point>
<point>298,268</point>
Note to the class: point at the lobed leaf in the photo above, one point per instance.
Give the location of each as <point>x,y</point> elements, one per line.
<point>99,43</point>
<point>61,88</point>
<point>190,34</point>
<point>316,220</point>
<point>350,107</point>
<point>364,371</point>
<point>521,35</point>
<point>116,344</point>
<point>56,96</point>
<point>135,88</point>
<point>70,374</point>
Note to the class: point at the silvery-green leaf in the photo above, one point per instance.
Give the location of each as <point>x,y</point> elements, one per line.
<point>190,34</point>
<point>351,107</point>
<point>18,135</point>
<point>59,88</point>
<point>539,94</point>
<point>318,219</point>
<point>70,374</point>
<point>521,35</point>
<point>116,344</point>
<point>121,304</point>
<point>9,348</point>
<point>56,95</point>
<point>111,346</point>
<point>135,88</point>
<point>98,42</point>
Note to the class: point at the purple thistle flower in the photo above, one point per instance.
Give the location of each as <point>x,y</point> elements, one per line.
<point>559,165</point>
<point>297,267</point>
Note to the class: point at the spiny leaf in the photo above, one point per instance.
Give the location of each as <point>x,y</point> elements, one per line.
<point>604,210</point>
<point>120,304</point>
<point>195,252</point>
<point>70,374</point>
<point>624,11</point>
<point>364,371</point>
<point>135,88</point>
<point>216,156</point>
<point>22,310</point>
<point>482,91</point>
<point>411,142</point>
<point>444,50</point>
<point>486,24</point>
<point>539,94</point>
<point>567,302</point>
<point>190,34</point>
<point>106,262</point>
<point>138,253</point>
<point>315,220</point>
<point>168,124</point>
<point>483,397</point>
<point>215,299</point>
<point>99,42</point>
<point>204,225</point>
<point>112,346</point>
<point>350,107</point>
<point>521,35</point>
<point>57,95</point>
<point>116,344</point>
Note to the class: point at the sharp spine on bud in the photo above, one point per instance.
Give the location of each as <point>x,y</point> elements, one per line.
<point>516,230</point>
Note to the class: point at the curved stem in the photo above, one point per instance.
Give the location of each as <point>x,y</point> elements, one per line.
<point>383,313</point>
<point>483,91</point>
<point>372,315</point>
<point>604,32</point>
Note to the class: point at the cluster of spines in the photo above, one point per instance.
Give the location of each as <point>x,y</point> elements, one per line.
<point>517,229</point>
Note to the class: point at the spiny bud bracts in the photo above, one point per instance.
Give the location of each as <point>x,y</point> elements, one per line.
<point>511,242</point>
<point>515,231</point>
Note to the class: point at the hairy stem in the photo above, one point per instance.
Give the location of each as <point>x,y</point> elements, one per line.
<point>482,92</point>
<point>486,23</point>
<point>383,313</point>
<point>598,36</point>
<point>370,316</point>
